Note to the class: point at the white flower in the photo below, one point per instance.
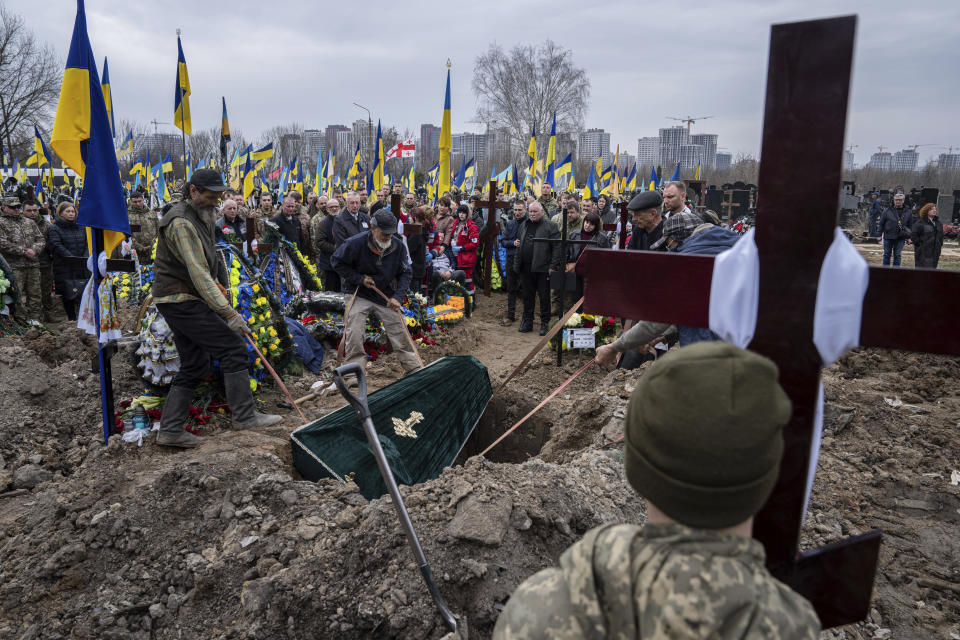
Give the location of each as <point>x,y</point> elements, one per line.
<point>574,320</point>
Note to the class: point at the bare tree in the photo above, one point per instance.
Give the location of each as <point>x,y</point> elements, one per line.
<point>30,75</point>
<point>524,86</point>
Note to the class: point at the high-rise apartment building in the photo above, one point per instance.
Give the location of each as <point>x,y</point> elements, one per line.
<point>648,150</point>
<point>709,143</point>
<point>882,160</point>
<point>905,160</point>
<point>671,139</point>
<point>594,143</point>
<point>723,161</point>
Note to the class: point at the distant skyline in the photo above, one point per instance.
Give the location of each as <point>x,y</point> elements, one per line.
<point>287,61</point>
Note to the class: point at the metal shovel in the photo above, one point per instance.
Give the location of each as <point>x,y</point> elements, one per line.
<point>359,403</point>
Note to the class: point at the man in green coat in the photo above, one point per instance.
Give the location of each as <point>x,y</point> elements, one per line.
<point>703,445</point>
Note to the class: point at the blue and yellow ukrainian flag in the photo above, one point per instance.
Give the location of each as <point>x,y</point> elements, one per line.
<point>41,155</point>
<point>126,147</point>
<point>563,167</point>
<point>82,138</point>
<point>224,129</point>
<point>632,178</point>
<point>378,178</point>
<point>551,152</point>
<point>108,97</point>
<point>181,95</point>
<point>531,159</point>
<point>446,143</point>
<point>676,173</point>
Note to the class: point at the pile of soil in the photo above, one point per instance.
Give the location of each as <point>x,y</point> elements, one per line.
<point>227,541</point>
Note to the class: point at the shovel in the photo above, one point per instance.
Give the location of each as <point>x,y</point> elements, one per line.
<point>359,403</point>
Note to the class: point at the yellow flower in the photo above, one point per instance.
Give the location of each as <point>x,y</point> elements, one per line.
<point>255,288</point>
<point>253,384</point>
<point>256,362</point>
<point>263,330</point>
<point>273,347</point>
<point>273,332</point>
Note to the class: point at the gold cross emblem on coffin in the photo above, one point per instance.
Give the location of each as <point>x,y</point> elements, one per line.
<point>405,427</point>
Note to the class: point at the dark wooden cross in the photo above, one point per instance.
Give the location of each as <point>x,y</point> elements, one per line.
<point>409,228</point>
<point>491,204</point>
<point>728,203</point>
<point>624,216</point>
<point>804,119</point>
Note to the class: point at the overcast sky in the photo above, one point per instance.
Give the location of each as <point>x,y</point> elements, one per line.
<point>279,61</point>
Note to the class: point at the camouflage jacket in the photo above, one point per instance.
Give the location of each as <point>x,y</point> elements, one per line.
<point>662,581</point>
<point>17,234</point>
<point>143,239</point>
<point>44,226</point>
<point>549,203</point>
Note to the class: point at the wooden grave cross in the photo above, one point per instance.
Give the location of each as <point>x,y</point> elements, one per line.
<point>491,204</point>
<point>409,228</point>
<point>803,131</point>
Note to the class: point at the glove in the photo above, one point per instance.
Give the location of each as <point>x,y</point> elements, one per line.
<point>238,325</point>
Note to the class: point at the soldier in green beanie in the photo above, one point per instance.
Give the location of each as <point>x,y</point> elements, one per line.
<point>703,446</point>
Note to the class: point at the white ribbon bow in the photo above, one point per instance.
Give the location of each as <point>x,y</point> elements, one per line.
<point>844,276</point>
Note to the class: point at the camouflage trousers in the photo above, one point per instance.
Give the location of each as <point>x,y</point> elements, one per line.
<point>28,283</point>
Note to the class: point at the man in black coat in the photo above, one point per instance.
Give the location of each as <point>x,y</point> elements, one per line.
<point>508,237</point>
<point>288,222</point>
<point>375,258</point>
<point>647,221</point>
<point>896,223</point>
<point>350,221</point>
<point>534,262</point>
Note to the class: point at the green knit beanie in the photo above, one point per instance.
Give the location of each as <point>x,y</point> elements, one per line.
<point>704,434</point>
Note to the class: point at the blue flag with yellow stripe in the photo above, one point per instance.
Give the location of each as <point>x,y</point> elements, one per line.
<point>181,95</point>
<point>83,139</point>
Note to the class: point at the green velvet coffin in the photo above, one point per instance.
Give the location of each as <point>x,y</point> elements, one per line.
<point>423,421</point>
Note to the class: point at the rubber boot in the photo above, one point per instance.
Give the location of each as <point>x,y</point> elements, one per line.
<point>526,325</point>
<point>171,433</point>
<point>242,405</point>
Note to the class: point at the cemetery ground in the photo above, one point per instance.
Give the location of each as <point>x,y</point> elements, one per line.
<point>227,541</point>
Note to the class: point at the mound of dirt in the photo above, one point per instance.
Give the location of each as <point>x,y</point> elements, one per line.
<point>226,541</point>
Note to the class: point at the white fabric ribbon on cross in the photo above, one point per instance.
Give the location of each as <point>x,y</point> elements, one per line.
<point>734,298</point>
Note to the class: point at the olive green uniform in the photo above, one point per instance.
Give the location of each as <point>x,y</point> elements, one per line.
<point>17,234</point>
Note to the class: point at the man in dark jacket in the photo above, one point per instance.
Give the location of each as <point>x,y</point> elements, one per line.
<point>230,225</point>
<point>375,259</point>
<point>895,225</point>
<point>508,235</point>
<point>288,222</point>
<point>321,233</point>
<point>534,262</point>
<point>647,221</point>
<point>350,221</point>
<point>876,210</point>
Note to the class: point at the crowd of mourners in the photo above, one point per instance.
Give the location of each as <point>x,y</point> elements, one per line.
<point>37,239</point>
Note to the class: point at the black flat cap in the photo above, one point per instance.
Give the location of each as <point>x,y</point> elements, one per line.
<point>645,200</point>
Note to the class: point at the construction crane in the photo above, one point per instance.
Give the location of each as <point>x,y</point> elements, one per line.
<point>155,123</point>
<point>688,120</point>
<point>914,147</point>
<point>881,148</point>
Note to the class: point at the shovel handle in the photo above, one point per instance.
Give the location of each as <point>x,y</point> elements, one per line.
<point>358,401</point>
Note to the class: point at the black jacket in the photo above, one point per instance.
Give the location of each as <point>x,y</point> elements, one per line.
<point>927,238</point>
<point>895,224</point>
<point>238,227</point>
<point>417,246</point>
<point>290,229</point>
<point>508,233</point>
<point>546,255</point>
<point>640,239</point>
<point>65,240</point>
<point>344,227</point>
<point>357,258</point>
